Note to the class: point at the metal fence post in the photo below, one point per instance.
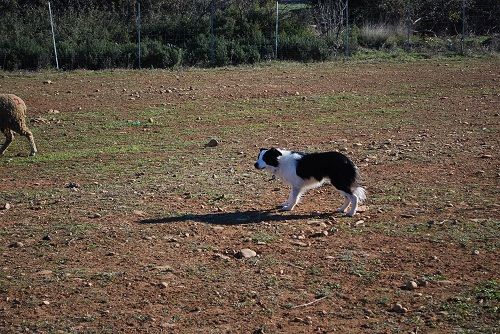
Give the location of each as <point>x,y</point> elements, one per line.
<point>347,29</point>
<point>212,32</point>
<point>53,35</point>
<point>139,34</point>
<point>277,25</point>
<point>408,25</point>
<point>462,47</point>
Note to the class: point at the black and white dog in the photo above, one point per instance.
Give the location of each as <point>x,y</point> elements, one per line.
<point>307,171</point>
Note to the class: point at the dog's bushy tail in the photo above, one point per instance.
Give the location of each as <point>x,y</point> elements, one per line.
<point>360,193</point>
<point>357,190</point>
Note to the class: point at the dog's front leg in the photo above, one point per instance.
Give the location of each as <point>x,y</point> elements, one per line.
<point>293,198</point>
<point>285,205</point>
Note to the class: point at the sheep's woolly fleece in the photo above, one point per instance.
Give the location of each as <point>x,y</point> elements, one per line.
<point>13,119</point>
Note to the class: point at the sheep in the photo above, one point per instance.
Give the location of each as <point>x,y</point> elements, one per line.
<point>13,119</point>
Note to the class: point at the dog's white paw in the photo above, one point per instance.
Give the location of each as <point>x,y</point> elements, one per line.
<point>286,207</point>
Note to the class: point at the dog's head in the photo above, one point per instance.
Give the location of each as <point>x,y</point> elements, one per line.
<point>268,158</point>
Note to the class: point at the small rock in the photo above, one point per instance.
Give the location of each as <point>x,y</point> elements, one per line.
<point>212,143</point>
<point>259,331</point>
<point>47,82</point>
<point>398,308</point>
<point>72,185</point>
<point>95,215</point>
<point>362,208</point>
<point>360,222</point>
<point>422,283</point>
<point>6,206</point>
<point>411,285</point>
<point>222,256</point>
<point>44,272</point>
<point>46,302</point>
<point>163,285</point>
<point>245,253</point>
<point>139,213</point>
<point>300,243</point>
<point>17,244</point>
<point>486,156</point>
<point>319,234</point>
<point>47,237</point>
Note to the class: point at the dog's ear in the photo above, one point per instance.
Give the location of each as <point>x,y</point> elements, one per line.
<point>271,157</point>
<point>275,151</point>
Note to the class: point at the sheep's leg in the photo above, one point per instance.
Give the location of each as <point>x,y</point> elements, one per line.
<point>24,131</point>
<point>31,139</point>
<point>9,135</point>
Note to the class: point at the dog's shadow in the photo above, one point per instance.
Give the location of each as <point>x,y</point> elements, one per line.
<point>235,218</point>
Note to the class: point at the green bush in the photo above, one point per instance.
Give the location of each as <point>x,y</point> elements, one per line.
<point>28,54</point>
<point>303,48</point>
<point>158,55</point>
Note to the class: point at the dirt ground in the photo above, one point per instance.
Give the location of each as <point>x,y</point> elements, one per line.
<point>126,222</point>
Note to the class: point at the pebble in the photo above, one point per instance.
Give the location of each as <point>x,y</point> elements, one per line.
<point>44,272</point>
<point>360,222</point>
<point>246,253</point>
<point>163,285</point>
<point>422,283</point>
<point>398,308</point>
<point>222,256</point>
<point>6,206</point>
<point>212,143</point>
<point>72,185</point>
<point>300,243</point>
<point>17,244</point>
<point>139,213</point>
<point>319,234</point>
<point>411,285</point>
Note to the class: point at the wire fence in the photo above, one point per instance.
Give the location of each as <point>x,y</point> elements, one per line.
<point>218,33</point>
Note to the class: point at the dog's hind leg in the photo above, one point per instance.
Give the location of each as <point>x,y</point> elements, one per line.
<point>347,201</point>
<point>354,205</point>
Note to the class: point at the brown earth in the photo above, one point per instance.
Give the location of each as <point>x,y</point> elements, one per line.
<point>146,239</point>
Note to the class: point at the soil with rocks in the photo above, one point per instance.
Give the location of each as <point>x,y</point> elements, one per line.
<point>130,221</point>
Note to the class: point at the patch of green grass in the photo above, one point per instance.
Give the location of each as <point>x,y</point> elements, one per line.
<point>476,310</point>
<point>263,237</point>
<point>314,271</point>
<point>367,276</point>
<point>75,230</point>
<point>489,291</point>
<point>327,289</point>
<point>106,277</point>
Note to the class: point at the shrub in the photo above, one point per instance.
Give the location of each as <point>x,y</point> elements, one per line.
<point>158,55</point>
<point>303,48</point>
<point>376,36</point>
